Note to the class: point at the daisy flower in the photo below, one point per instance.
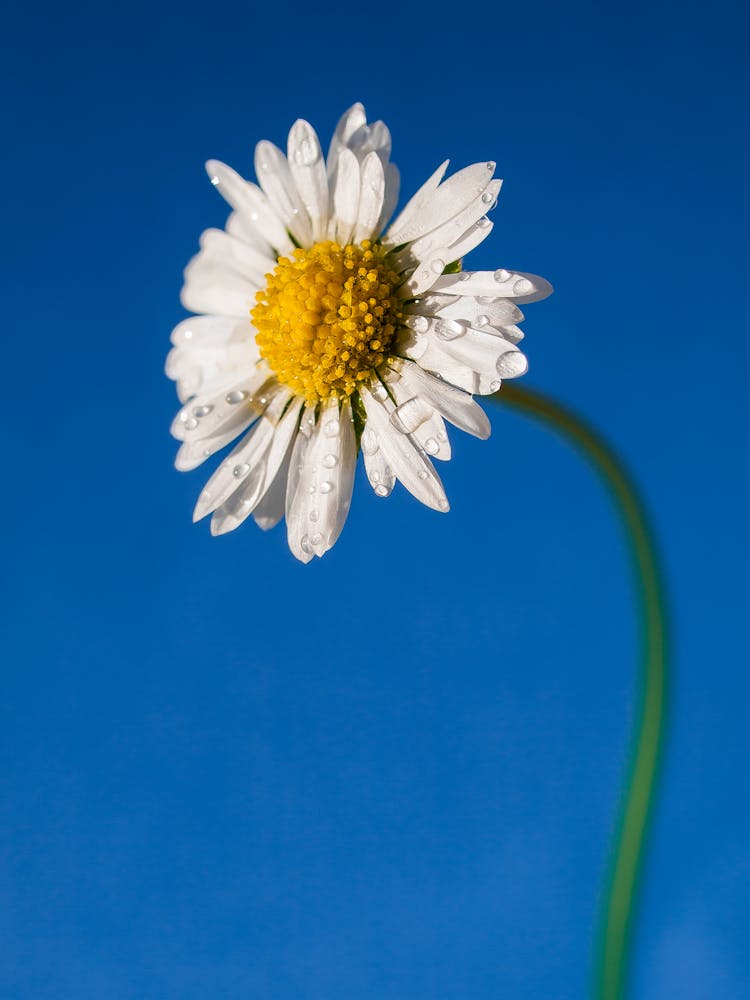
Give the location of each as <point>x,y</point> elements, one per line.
<point>321,333</point>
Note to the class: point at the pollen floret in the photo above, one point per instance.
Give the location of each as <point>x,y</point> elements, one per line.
<point>327,317</point>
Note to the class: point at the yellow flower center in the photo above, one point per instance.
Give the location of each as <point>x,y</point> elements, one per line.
<point>326,318</point>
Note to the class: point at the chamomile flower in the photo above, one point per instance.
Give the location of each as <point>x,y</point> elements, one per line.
<point>321,333</point>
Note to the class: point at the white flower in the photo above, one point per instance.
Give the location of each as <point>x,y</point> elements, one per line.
<point>327,337</point>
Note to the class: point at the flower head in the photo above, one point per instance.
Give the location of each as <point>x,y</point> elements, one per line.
<point>321,334</point>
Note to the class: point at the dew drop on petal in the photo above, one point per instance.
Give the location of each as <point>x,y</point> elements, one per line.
<point>235,396</point>
<point>369,442</point>
<point>522,287</point>
<point>511,363</point>
<point>422,473</point>
<point>190,424</point>
<point>329,461</point>
<point>381,491</point>
<point>305,544</point>
<point>481,321</point>
<point>494,385</point>
<point>437,266</point>
<point>420,324</point>
<point>202,411</point>
<point>449,329</point>
<point>326,487</point>
<point>331,428</point>
<point>317,538</point>
<point>374,476</point>
<point>240,470</point>
<point>501,275</point>
<point>314,514</point>
<point>431,446</point>
<point>483,223</point>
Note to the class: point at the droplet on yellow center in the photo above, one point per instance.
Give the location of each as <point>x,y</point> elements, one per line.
<point>327,317</point>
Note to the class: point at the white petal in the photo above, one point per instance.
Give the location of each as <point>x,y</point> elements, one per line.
<point>414,206</point>
<point>415,414</point>
<point>245,464</point>
<point>309,174</point>
<point>244,500</point>
<point>250,263</point>
<point>211,331</point>
<point>207,413</point>
<point>453,230</point>
<point>427,273</point>
<point>477,312</point>
<point>407,460</point>
<point>435,359</point>
<point>191,454</point>
<point>495,284</point>
<point>348,124</point>
<point>201,369</point>
<point>270,509</point>
<point>456,406</point>
<point>379,472</point>
<point>239,226</point>
<point>375,138</point>
<point>372,189</point>
<point>275,177</point>
<point>345,197</point>
<point>250,202</point>
<point>390,197</point>
<point>320,483</point>
<point>215,288</point>
<point>451,198</point>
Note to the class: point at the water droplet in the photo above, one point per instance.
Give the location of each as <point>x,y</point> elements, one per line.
<point>501,275</point>
<point>202,411</point>
<point>437,266</point>
<point>240,470</point>
<point>431,446</point>
<point>263,400</point>
<point>331,428</point>
<point>494,385</point>
<point>329,461</point>
<point>317,538</point>
<point>190,424</point>
<point>487,197</point>
<point>235,396</point>
<point>307,152</point>
<point>483,223</point>
<point>481,321</point>
<point>522,287</point>
<point>314,514</point>
<point>443,504</point>
<point>311,489</point>
<point>379,391</point>
<point>442,436</point>
<point>215,180</point>
<point>305,545</point>
<point>381,490</point>
<point>490,165</point>
<point>369,442</point>
<point>187,335</point>
<point>420,324</point>
<point>374,476</point>
<point>449,329</point>
<point>326,487</point>
<point>510,364</point>
<point>423,473</point>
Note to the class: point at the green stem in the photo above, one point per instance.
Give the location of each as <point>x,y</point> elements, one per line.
<point>611,972</point>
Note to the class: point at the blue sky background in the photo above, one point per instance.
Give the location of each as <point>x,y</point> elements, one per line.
<point>392,773</point>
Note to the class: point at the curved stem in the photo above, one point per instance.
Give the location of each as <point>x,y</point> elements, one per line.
<point>610,982</point>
